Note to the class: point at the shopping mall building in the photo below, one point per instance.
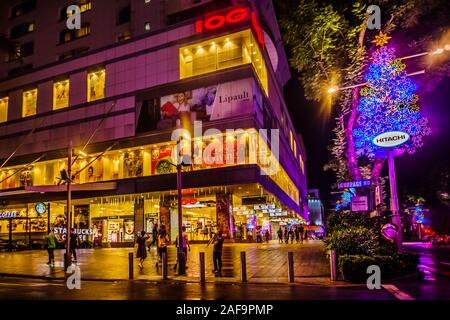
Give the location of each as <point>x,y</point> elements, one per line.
<point>117,88</point>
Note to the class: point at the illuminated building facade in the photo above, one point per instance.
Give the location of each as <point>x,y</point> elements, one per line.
<point>135,72</point>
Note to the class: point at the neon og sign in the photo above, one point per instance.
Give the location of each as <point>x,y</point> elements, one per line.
<point>230,17</point>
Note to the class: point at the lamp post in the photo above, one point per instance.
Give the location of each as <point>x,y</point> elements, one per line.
<point>181,265</point>
<point>394,198</point>
<point>179,166</point>
<point>68,259</point>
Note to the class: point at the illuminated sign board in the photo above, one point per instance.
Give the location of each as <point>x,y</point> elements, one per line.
<point>8,214</point>
<point>229,17</point>
<point>391,139</point>
<point>354,184</point>
<point>81,233</point>
<point>40,208</point>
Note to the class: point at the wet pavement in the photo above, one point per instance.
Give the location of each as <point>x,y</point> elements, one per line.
<point>435,260</point>
<point>265,263</point>
<point>30,289</point>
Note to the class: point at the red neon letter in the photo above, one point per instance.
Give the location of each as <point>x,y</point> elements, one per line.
<point>199,26</point>
<point>214,22</point>
<point>237,15</point>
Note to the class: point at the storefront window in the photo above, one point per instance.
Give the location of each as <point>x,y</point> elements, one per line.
<point>29,103</point>
<point>4,109</point>
<point>60,94</point>
<point>112,221</point>
<point>222,53</point>
<point>96,85</point>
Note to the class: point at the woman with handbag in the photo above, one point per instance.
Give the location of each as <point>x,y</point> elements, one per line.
<point>163,241</point>
<point>141,250</point>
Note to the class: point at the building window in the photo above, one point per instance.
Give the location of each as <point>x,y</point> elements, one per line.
<point>295,149</point>
<point>221,53</point>
<point>60,94</point>
<point>4,109</point>
<point>96,85</point>
<point>302,164</point>
<point>69,35</point>
<point>124,15</point>
<point>22,51</point>
<point>291,140</point>
<point>23,8</point>
<point>73,53</point>
<point>123,36</point>
<point>29,104</point>
<point>147,26</point>
<point>22,29</point>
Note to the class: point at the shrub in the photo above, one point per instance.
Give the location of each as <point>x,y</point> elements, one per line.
<point>354,267</point>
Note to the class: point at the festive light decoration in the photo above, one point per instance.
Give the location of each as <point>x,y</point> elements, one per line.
<point>388,103</point>
<point>346,199</point>
<point>418,215</point>
<point>381,39</point>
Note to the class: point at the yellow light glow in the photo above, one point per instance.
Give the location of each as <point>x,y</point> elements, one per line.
<point>332,90</point>
<point>438,51</point>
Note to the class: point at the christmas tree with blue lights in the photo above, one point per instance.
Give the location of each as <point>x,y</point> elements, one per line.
<point>388,103</point>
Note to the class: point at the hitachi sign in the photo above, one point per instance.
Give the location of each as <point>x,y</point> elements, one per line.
<point>391,139</point>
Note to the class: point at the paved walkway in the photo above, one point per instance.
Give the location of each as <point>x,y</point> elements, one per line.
<point>265,263</point>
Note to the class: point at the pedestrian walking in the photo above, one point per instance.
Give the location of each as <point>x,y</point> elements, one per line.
<point>154,236</point>
<point>141,250</point>
<point>266,235</point>
<point>50,245</point>
<point>258,235</point>
<point>73,244</point>
<point>286,235</point>
<point>291,236</point>
<point>280,235</point>
<point>163,242</point>
<point>218,240</point>
<point>185,245</point>
<point>302,231</point>
<point>297,234</point>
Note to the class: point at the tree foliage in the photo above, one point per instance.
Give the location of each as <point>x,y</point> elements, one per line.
<point>329,46</point>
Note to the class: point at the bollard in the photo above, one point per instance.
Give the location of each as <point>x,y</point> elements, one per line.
<point>243,267</point>
<point>164,265</point>
<point>333,270</point>
<point>130,266</point>
<point>202,267</point>
<point>291,267</point>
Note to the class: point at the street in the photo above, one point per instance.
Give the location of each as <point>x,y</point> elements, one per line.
<point>312,280</point>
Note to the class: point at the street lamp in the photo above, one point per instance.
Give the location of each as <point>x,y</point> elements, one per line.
<point>185,162</point>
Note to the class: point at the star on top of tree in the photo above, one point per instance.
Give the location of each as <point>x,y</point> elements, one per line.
<point>381,39</point>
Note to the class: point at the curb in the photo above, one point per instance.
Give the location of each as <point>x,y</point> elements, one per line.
<point>26,276</point>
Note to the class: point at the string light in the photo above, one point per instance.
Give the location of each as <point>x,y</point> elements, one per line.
<point>388,103</point>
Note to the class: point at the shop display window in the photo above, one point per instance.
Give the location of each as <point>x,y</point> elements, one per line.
<point>60,94</point>
<point>133,164</point>
<point>96,85</point>
<point>4,109</point>
<point>222,53</point>
<point>29,103</point>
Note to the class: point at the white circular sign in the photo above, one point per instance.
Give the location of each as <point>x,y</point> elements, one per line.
<point>391,139</point>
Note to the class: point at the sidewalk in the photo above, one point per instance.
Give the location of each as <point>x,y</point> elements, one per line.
<point>266,263</point>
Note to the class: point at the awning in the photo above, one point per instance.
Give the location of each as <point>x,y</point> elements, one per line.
<point>97,186</point>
